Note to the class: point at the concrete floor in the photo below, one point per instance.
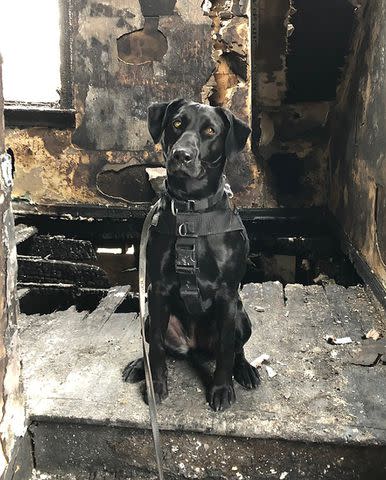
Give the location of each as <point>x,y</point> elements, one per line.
<point>72,371</point>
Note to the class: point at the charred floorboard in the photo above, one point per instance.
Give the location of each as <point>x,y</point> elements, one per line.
<point>58,247</point>
<point>40,270</point>
<point>316,415</point>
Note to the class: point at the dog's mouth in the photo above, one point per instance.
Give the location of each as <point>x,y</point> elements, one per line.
<point>186,171</point>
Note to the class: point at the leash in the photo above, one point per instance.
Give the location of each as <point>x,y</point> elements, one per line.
<point>142,313</point>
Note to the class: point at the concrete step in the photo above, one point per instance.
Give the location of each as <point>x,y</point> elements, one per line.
<point>322,416</point>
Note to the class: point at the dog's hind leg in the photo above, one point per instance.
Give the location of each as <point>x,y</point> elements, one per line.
<point>176,342</point>
<point>243,372</point>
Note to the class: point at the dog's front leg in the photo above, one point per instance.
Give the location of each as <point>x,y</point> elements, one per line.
<point>159,312</point>
<point>222,394</point>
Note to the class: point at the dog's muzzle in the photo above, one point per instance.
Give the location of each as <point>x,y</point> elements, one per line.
<point>182,155</point>
<point>184,161</point>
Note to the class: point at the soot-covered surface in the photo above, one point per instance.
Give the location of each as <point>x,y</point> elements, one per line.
<point>86,417</point>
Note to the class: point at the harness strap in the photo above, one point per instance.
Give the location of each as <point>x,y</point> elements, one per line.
<point>198,224</point>
<point>192,205</point>
<point>186,269</point>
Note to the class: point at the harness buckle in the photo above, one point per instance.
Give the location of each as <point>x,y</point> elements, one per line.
<point>186,260</point>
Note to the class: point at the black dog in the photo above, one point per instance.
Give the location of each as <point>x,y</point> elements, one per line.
<point>197,251</point>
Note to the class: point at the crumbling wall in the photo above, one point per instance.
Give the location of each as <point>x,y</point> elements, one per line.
<point>12,418</point>
<point>128,54</point>
<point>229,86</point>
<point>358,144</point>
<point>115,78</point>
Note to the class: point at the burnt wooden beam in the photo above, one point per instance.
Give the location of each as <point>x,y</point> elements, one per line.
<point>39,270</point>
<point>58,247</point>
<point>39,117</point>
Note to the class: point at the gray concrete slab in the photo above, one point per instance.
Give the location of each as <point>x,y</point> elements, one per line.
<point>72,371</point>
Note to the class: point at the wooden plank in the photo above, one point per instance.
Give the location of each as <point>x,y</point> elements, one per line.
<point>73,371</point>
<point>107,306</point>
<point>24,232</point>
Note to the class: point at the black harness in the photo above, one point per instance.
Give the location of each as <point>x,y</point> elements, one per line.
<point>187,221</point>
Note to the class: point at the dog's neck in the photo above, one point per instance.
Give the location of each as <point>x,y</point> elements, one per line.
<point>189,204</point>
<point>194,189</point>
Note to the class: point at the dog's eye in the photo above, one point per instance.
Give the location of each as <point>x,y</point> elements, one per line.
<point>177,124</point>
<point>209,131</point>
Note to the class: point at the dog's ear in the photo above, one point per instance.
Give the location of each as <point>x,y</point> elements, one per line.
<point>157,115</point>
<point>238,133</point>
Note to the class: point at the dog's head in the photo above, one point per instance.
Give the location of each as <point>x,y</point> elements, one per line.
<point>196,139</point>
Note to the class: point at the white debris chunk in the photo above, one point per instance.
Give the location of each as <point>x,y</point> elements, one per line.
<point>258,361</point>
<point>374,334</point>
<point>258,308</point>
<point>270,371</point>
<point>206,6</point>
<point>337,341</point>
<point>283,475</point>
<point>155,172</point>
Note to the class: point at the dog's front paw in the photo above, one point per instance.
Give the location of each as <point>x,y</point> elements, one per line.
<point>134,372</point>
<point>160,391</point>
<point>221,397</point>
<point>246,375</point>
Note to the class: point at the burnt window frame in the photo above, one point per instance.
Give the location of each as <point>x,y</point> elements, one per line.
<point>46,114</point>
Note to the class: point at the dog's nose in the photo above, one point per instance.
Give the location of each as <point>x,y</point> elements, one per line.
<point>182,155</point>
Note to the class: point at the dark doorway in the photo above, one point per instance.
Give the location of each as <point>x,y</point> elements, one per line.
<point>317,48</point>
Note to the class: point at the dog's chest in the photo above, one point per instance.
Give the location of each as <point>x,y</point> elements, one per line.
<point>208,259</point>
<point>199,251</point>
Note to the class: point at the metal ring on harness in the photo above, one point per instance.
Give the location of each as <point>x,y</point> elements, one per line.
<point>228,190</point>
<point>173,208</point>
<point>183,230</point>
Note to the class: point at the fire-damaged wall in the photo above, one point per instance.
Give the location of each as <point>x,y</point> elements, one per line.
<point>12,416</point>
<point>358,144</point>
<point>125,58</point>
<point>127,54</point>
<point>297,60</point>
